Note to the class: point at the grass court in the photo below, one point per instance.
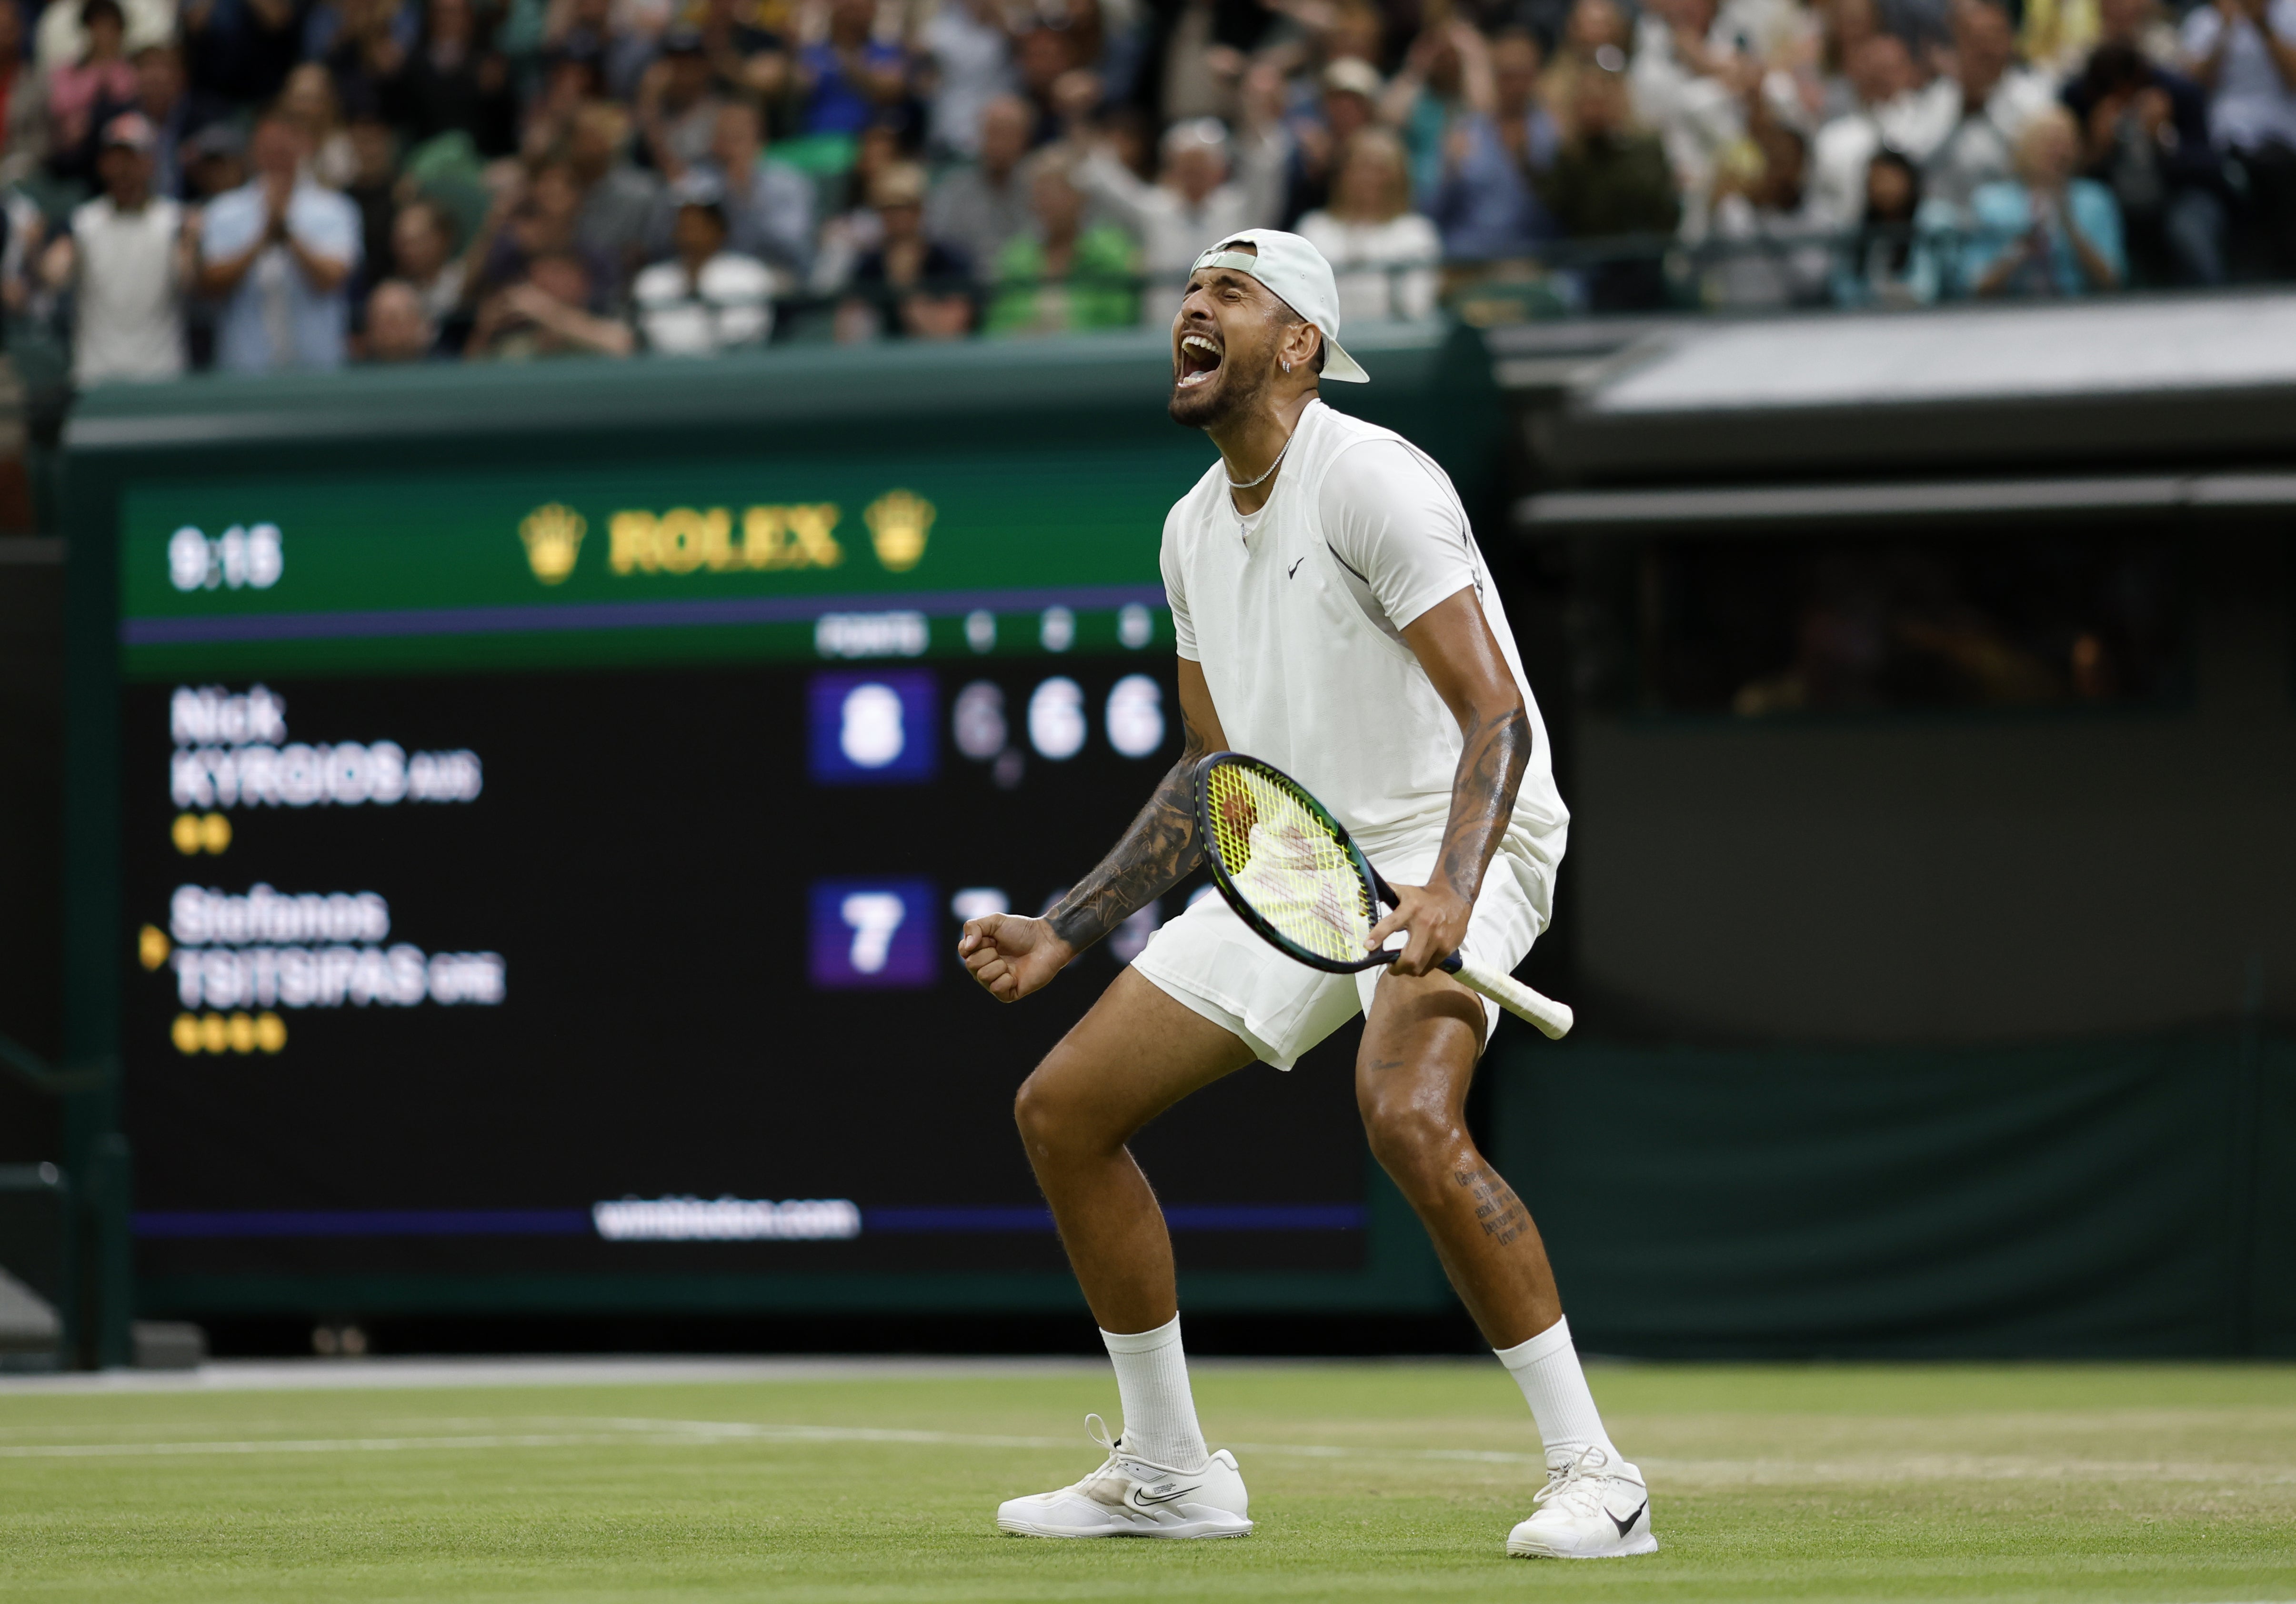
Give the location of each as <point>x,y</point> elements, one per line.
<point>2162,1482</point>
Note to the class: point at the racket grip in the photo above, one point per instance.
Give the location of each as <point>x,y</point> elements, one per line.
<point>1552,1018</point>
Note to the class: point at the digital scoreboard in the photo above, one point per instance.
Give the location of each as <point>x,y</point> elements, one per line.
<point>539,883</point>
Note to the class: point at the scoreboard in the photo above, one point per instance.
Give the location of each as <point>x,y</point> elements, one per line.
<point>539,877</point>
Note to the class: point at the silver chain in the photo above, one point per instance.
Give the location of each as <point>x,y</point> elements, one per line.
<point>1272,467</point>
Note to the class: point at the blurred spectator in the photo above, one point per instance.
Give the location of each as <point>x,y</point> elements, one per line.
<point>1043,58</point>
<point>165,98</point>
<point>1488,205</point>
<point>854,232</point>
<point>1691,74</point>
<point>706,298</point>
<point>677,105</point>
<point>1597,36</point>
<point>215,161</point>
<point>277,252</point>
<point>625,212</point>
<point>972,65</point>
<point>1427,93</point>
<point>1990,98</point>
<point>1893,260</point>
<point>99,82</point>
<point>849,76</point>
<point>1773,248</point>
<point>1193,203</point>
<point>372,186</point>
<point>2243,54</point>
<point>2138,24</point>
<point>1887,114</point>
<point>1058,275</point>
<point>2146,137</point>
<point>2046,232</point>
<point>60,35</point>
<point>535,217</point>
<point>911,284</point>
<point>1612,179</point>
<point>769,206</point>
<point>977,209</point>
<point>422,258</point>
<point>308,102</point>
<point>399,328</point>
<point>23,102</point>
<point>1383,253</point>
<point>1194,55</point>
<point>745,61</point>
<point>545,315</point>
<point>364,43</point>
<point>454,82</point>
<point>129,259</point>
<point>240,49</point>
<point>587,30</point>
<point>1347,101</point>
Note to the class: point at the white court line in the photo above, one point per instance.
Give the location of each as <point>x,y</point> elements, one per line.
<point>389,1374</point>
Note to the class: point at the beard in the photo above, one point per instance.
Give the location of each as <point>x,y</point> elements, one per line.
<point>1238,382</point>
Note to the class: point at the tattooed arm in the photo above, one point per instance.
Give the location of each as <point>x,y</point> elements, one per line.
<point>1454,644</point>
<point>1011,956</point>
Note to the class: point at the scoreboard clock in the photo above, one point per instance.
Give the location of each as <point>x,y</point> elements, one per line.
<point>540,852</point>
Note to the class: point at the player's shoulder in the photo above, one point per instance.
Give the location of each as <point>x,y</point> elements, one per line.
<point>1195,509</point>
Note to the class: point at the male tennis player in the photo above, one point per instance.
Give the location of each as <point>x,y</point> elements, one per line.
<point>1335,618</point>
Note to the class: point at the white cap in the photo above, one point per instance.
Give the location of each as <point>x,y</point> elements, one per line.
<point>1298,276</point>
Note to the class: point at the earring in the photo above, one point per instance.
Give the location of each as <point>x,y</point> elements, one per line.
<point>1287,367</point>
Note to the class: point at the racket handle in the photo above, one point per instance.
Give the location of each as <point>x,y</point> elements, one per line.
<point>1552,1018</point>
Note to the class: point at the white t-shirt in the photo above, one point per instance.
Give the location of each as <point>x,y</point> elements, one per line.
<point>2252,104</point>
<point>129,321</point>
<point>728,304</point>
<point>1297,616</point>
<point>1365,258</point>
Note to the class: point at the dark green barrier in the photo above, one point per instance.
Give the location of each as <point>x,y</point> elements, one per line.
<point>2127,1198</point>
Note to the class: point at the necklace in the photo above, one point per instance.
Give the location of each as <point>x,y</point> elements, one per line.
<point>1272,467</point>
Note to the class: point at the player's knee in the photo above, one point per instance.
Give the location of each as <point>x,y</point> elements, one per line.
<point>1409,1137</point>
<point>1050,1120</point>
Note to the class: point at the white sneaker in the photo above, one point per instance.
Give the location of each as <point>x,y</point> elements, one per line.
<point>1129,1497</point>
<point>1593,1508</point>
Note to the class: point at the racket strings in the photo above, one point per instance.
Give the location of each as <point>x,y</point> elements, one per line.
<point>1283,859</point>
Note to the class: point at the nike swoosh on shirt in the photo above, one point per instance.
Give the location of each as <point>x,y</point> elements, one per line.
<point>1625,1524</point>
<point>1293,569</point>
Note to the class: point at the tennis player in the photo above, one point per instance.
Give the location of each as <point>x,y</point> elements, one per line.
<point>1334,617</point>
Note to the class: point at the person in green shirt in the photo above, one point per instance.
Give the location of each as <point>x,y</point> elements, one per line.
<point>1612,179</point>
<point>1058,276</point>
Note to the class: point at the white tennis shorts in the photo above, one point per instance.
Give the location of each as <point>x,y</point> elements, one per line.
<point>1210,962</point>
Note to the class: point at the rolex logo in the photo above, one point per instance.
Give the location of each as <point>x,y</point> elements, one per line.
<point>897,522</point>
<point>553,538</point>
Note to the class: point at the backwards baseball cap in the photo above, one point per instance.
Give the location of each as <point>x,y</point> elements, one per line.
<point>1297,275</point>
<point>131,130</point>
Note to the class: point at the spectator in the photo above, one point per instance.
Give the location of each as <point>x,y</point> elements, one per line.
<point>1893,261</point>
<point>1691,77</point>
<point>746,61</point>
<point>677,105</point>
<point>972,69</point>
<point>365,44</point>
<point>2047,232</point>
<point>852,233</point>
<point>1773,251</point>
<point>1597,35</point>
<point>1383,253</point>
<point>706,298</point>
<point>1888,115</point>
<point>914,277</point>
<point>372,186</point>
<point>1058,275</point>
<point>398,329</point>
<point>2243,54</point>
<point>849,78</point>
<point>1488,205</point>
<point>978,209</point>
<point>23,103</point>
<point>59,35</point>
<point>1989,97</point>
<point>1427,95</point>
<point>1612,179</point>
<point>769,205</point>
<point>454,82</point>
<point>422,258</point>
<point>308,102</point>
<point>241,50</point>
<point>165,98</point>
<point>625,212</point>
<point>128,257</point>
<point>536,218</point>
<point>99,82</point>
<point>2138,24</point>
<point>2146,137</point>
<point>546,315</point>
<point>1349,103</point>
<point>215,162</point>
<point>1193,204</point>
<point>587,30</point>
<point>278,252</point>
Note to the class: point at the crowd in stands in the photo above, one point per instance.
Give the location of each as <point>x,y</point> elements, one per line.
<point>265,185</point>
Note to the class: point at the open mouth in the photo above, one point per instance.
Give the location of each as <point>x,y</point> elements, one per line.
<point>1200,359</point>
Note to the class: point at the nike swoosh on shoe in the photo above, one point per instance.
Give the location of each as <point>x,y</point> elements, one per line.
<point>1627,1524</point>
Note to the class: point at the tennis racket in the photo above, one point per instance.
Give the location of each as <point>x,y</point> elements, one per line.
<point>1291,872</point>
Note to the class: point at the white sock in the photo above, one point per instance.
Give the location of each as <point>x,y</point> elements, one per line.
<point>1546,1368</point>
<point>1151,1382</point>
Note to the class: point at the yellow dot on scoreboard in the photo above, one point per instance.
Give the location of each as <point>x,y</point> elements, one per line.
<point>151,948</point>
<point>185,833</point>
<point>242,1030</point>
<point>214,832</point>
<point>215,1036</point>
<point>270,1031</point>
<point>185,1033</point>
